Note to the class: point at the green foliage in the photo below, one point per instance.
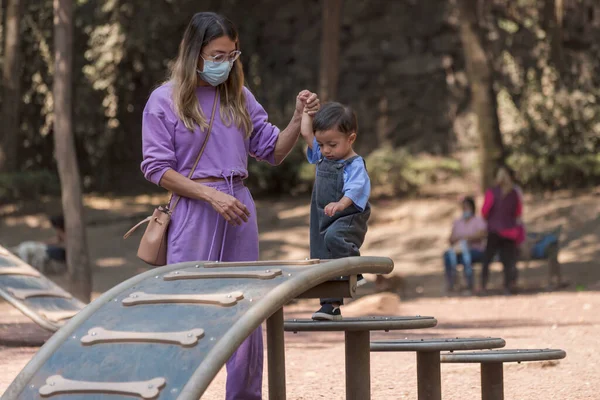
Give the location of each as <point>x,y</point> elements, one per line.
<point>549,96</point>
<point>286,178</point>
<point>559,171</point>
<point>121,51</point>
<point>550,115</point>
<point>396,171</point>
<point>392,172</point>
<point>28,185</point>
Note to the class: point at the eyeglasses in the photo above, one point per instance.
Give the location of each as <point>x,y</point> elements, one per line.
<point>221,58</point>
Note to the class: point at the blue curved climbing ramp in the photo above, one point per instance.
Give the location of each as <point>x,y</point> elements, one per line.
<point>165,334</point>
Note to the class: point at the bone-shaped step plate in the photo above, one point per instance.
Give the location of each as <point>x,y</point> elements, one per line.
<point>18,271</point>
<point>266,274</point>
<point>223,299</point>
<point>100,335</point>
<point>22,294</point>
<point>56,384</point>
<point>57,316</point>
<point>258,264</point>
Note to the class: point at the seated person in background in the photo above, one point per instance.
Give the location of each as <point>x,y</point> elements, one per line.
<point>39,254</point>
<point>467,242</point>
<point>55,247</point>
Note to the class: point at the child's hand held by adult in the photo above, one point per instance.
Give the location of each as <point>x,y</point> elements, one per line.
<point>307,101</point>
<point>312,104</point>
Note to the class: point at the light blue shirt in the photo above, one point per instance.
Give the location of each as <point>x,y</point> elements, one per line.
<point>357,185</point>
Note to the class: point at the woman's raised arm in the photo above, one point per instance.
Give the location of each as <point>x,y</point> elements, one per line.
<point>288,137</point>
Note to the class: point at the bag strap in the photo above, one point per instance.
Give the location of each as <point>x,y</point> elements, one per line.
<point>212,118</point>
<point>129,232</point>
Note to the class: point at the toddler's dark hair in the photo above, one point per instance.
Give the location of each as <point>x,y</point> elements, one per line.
<point>58,222</point>
<point>335,116</point>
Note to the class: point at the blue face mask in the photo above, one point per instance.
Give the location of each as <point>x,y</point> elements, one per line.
<point>467,214</point>
<point>215,73</point>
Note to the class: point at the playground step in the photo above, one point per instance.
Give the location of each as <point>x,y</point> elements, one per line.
<point>492,365</point>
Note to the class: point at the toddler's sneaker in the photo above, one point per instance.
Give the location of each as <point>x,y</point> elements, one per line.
<point>360,280</point>
<point>328,312</point>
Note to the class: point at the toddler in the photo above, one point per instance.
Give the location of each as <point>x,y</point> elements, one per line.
<point>340,199</point>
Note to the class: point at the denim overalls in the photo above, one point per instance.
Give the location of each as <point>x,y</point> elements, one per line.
<point>341,235</point>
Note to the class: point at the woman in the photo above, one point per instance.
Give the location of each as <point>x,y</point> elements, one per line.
<point>467,242</point>
<point>216,217</point>
<point>502,209</point>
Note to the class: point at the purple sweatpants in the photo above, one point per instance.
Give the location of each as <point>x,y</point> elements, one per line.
<point>198,233</point>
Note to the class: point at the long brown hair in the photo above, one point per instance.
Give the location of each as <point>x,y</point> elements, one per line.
<point>202,29</point>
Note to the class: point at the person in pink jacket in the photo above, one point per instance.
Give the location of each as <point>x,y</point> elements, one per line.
<point>502,209</point>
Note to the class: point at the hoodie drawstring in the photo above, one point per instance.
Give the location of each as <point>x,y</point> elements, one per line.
<point>229,180</point>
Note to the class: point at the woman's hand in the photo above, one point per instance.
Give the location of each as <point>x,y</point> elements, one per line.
<point>308,102</point>
<point>233,210</point>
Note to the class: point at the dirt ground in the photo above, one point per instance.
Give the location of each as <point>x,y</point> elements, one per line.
<point>413,233</point>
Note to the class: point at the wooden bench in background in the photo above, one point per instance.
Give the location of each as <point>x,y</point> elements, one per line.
<point>528,252</point>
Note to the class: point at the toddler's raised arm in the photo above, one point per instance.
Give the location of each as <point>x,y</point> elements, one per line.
<point>306,128</point>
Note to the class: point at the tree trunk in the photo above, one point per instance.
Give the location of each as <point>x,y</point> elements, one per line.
<point>68,170</point>
<point>330,49</point>
<point>552,24</point>
<point>11,82</point>
<point>483,97</point>
<point>1,28</point>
